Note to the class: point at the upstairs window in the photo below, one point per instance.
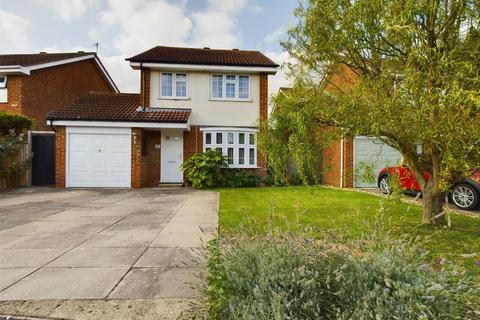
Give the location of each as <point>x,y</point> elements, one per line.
<point>230,87</point>
<point>173,85</point>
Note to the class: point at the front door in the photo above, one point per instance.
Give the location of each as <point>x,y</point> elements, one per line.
<point>171,157</point>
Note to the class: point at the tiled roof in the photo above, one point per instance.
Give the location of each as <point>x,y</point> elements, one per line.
<point>27,60</point>
<point>206,56</point>
<point>108,106</point>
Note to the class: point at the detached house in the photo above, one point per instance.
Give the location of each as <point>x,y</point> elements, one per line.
<point>190,100</point>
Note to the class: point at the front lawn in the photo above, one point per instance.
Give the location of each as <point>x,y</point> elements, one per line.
<point>342,211</point>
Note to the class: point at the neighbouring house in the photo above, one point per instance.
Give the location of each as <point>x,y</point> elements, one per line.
<point>33,84</point>
<point>190,100</point>
<point>345,161</point>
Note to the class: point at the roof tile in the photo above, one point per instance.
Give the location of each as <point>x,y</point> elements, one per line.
<point>31,59</point>
<point>108,106</point>
<point>162,54</point>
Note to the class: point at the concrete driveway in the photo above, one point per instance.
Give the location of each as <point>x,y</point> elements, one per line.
<point>103,245</point>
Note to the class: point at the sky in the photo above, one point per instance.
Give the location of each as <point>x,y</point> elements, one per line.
<point>127,27</point>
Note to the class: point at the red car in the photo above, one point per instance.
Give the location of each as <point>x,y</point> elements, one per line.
<point>465,194</point>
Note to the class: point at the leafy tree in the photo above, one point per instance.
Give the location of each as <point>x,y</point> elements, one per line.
<point>291,138</point>
<point>204,170</point>
<point>415,66</point>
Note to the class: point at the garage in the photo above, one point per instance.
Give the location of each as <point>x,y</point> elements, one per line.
<point>98,157</point>
<point>373,153</point>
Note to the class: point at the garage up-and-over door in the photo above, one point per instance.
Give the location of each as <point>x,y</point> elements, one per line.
<point>98,157</point>
<point>372,153</point>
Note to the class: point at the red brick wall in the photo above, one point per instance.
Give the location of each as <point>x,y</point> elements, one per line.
<point>145,87</point>
<point>341,78</point>
<point>151,160</point>
<point>60,156</point>
<point>54,88</point>
<point>192,142</point>
<point>331,164</point>
<point>261,158</point>
<point>14,95</point>
<point>138,176</point>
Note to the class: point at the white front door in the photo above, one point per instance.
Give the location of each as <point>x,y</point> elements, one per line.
<point>171,156</point>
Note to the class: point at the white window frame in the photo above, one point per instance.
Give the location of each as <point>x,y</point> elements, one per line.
<point>224,87</point>
<point>174,86</point>
<point>236,145</point>
<point>3,90</point>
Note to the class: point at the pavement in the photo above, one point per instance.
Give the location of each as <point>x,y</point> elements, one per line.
<point>102,253</point>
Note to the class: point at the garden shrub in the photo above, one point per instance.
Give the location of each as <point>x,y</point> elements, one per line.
<point>204,170</point>
<point>210,169</point>
<point>371,277</point>
<point>238,178</point>
<point>12,138</point>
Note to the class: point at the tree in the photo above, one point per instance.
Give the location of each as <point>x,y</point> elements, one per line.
<point>417,80</point>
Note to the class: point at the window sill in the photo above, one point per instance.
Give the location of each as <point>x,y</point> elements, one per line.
<point>174,98</point>
<point>231,100</point>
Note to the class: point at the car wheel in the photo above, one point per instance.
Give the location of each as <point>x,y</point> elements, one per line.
<point>465,196</point>
<point>384,185</point>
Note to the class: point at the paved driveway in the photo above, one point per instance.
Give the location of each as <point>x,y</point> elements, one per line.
<point>104,244</point>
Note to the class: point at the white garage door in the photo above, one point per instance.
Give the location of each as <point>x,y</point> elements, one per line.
<point>98,157</point>
<point>372,153</point>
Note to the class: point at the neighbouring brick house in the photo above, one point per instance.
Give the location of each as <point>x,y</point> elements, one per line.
<point>190,100</point>
<point>33,84</point>
<point>344,161</point>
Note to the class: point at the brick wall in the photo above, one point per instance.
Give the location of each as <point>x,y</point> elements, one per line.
<point>192,142</point>
<point>137,178</point>
<point>54,88</point>
<point>60,156</point>
<point>331,164</point>
<point>14,103</point>
<point>151,160</point>
<point>145,87</point>
<point>263,116</point>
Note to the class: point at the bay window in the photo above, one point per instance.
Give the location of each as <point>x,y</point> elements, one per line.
<point>239,147</point>
<point>230,87</point>
<point>173,85</point>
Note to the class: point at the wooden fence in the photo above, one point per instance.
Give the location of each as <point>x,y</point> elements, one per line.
<point>22,158</point>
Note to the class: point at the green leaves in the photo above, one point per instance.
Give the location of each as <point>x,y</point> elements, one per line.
<point>402,71</point>
<point>203,170</point>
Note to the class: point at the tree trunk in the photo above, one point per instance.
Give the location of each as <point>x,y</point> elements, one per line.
<point>432,207</point>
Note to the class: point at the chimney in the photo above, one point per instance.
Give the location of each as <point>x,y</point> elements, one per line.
<point>43,52</point>
<point>81,51</point>
<point>206,48</point>
<point>236,49</point>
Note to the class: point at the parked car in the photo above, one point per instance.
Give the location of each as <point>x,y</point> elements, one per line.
<point>465,194</point>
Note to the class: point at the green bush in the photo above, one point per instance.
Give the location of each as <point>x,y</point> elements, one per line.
<point>374,277</point>
<point>204,170</point>
<point>238,178</point>
<point>14,124</point>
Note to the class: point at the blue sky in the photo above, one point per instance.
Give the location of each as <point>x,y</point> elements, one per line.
<point>127,27</point>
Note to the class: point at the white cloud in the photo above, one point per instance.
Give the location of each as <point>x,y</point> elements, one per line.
<point>216,25</point>
<point>13,32</point>
<point>142,24</point>
<point>68,10</point>
<point>126,79</point>
<point>254,7</point>
<point>275,36</point>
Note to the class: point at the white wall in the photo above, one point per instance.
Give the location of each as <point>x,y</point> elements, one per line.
<point>206,111</point>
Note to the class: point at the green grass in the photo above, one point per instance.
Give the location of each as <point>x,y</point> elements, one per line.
<point>345,212</point>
